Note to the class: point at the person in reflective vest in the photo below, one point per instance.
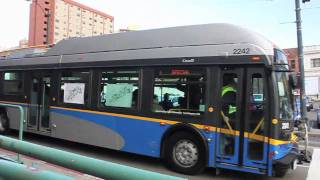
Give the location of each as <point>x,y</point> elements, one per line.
<point>229,96</point>
<point>228,113</point>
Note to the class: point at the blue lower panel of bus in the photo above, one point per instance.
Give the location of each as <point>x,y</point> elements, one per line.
<point>238,168</point>
<point>144,137</point>
<point>139,136</point>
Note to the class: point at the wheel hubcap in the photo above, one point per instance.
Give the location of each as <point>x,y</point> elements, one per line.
<point>185,153</point>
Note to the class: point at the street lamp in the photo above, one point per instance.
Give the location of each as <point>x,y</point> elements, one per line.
<point>47,15</point>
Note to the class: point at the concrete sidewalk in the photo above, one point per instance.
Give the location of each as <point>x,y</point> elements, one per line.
<point>314,173</point>
<point>314,132</point>
<point>38,165</point>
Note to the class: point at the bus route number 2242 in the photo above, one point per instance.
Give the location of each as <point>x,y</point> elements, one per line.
<point>241,51</point>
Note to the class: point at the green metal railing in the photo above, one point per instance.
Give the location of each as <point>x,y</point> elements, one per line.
<point>21,121</point>
<point>95,167</point>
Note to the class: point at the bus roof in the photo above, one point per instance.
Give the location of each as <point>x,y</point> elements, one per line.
<point>194,35</point>
<point>208,40</point>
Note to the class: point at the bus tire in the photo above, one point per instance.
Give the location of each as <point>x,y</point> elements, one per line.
<point>4,124</point>
<point>184,153</point>
<point>280,172</point>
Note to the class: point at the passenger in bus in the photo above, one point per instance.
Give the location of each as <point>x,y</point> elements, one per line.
<point>166,103</point>
<point>155,104</point>
<point>182,103</point>
<point>134,98</point>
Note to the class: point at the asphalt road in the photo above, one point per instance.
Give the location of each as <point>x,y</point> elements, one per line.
<point>152,164</point>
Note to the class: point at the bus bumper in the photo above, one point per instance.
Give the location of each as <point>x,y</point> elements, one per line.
<point>288,161</point>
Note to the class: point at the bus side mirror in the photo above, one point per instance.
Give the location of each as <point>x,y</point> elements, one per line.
<point>293,79</point>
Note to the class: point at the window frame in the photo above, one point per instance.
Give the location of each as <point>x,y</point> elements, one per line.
<point>21,80</point>
<point>88,82</point>
<point>114,108</point>
<point>314,62</point>
<point>184,117</point>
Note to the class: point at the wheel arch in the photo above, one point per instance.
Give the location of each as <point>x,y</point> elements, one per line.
<point>183,127</point>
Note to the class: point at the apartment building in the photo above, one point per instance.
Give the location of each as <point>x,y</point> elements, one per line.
<point>54,20</point>
<point>311,67</point>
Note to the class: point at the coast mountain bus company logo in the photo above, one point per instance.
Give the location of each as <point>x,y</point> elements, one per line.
<point>185,60</point>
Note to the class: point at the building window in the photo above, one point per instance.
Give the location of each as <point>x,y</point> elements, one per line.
<point>57,20</point>
<point>293,64</point>
<point>315,62</point>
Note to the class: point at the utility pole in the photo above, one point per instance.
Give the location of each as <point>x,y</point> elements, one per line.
<point>303,108</point>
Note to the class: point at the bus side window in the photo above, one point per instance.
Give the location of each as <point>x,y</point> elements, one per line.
<point>179,91</point>
<point>12,83</point>
<point>74,87</point>
<point>119,89</point>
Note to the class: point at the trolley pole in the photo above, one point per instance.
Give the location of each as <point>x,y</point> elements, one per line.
<point>303,108</point>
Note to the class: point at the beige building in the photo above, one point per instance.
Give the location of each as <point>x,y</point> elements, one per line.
<point>312,70</point>
<point>54,20</point>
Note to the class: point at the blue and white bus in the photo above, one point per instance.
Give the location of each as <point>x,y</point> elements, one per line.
<point>214,95</point>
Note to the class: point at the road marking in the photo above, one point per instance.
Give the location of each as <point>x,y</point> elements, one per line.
<point>313,172</point>
<point>305,166</point>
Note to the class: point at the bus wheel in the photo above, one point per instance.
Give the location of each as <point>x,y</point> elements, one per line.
<point>4,124</point>
<point>184,153</point>
<point>280,172</point>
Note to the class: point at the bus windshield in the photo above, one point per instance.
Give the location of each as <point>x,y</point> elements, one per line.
<point>285,96</point>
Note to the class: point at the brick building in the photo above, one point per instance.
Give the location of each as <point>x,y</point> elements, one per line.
<point>61,19</point>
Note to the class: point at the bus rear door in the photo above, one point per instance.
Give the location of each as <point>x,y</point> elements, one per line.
<point>39,102</point>
<point>241,137</point>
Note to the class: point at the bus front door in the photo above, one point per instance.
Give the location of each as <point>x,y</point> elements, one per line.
<point>240,136</point>
<point>39,102</point>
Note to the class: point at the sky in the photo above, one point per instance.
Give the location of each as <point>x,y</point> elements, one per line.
<point>272,18</point>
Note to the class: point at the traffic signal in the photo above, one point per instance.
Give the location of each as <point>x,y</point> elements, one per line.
<point>304,1</point>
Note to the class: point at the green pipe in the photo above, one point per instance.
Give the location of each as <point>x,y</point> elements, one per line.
<point>21,121</point>
<point>95,167</point>
<point>11,170</point>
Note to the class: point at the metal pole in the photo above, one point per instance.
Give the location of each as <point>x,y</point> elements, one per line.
<point>11,170</point>
<point>303,108</point>
<point>20,122</point>
<point>95,167</point>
